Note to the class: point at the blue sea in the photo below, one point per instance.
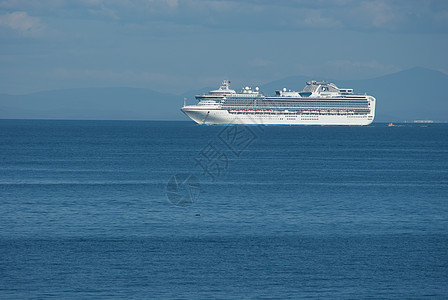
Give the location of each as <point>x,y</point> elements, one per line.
<point>173,210</point>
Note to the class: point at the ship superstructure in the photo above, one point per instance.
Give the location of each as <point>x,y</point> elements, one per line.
<point>319,103</point>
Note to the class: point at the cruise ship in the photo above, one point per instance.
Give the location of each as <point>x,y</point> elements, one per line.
<point>319,103</point>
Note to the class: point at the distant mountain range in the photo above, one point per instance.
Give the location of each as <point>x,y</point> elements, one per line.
<point>413,94</point>
<point>93,104</point>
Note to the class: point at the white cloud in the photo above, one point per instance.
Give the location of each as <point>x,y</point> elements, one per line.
<point>441,17</point>
<point>314,19</point>
<point>19,21</point>
<point>31,4</point>
<point>93,2</point>
<point>358,15</point>
<point>104,11</point>
<point>172,3</point>
<point>378,13</point>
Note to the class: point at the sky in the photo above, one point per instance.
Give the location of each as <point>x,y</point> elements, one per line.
<point>174,46</point>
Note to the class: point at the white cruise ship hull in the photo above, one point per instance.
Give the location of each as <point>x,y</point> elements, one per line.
<point>225,117</point>
<point>319,103</point>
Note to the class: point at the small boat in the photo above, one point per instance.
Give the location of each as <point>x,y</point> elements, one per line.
<point>391,125</point>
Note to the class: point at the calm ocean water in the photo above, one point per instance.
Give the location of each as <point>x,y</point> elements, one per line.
<point>276,212</point>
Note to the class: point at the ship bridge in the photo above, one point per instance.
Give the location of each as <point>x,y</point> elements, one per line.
<point>215,97</point>
<point>323,88</point>
<point>223,89</point>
